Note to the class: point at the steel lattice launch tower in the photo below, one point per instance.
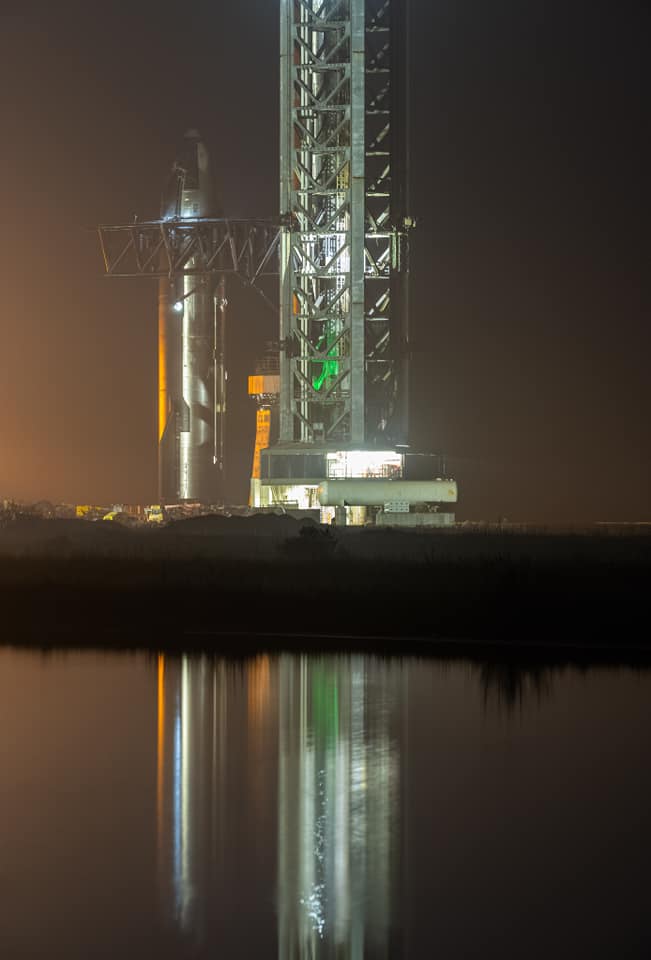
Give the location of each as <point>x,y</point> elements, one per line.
<point>191,326</point>
<point>343,261</point>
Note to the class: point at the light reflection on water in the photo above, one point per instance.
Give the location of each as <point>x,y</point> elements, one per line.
<point>305,806</point>
<point>338,788</point>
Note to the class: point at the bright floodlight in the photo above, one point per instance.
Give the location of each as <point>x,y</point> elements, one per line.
<point>178,306</point>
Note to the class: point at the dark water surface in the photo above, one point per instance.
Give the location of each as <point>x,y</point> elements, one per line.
<point>321,806</point>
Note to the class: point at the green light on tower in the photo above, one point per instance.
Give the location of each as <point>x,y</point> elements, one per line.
<point>329,367</point>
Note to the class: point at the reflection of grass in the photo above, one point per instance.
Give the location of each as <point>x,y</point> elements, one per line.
<point>512,684</point>
<point>479,587</point>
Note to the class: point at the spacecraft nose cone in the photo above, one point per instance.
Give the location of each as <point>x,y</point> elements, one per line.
<point>190,191</point>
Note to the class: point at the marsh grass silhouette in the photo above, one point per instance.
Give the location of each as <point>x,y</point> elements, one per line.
<point>351,586</point>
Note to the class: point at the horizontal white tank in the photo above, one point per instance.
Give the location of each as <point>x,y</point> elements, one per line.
<point>375,493</point>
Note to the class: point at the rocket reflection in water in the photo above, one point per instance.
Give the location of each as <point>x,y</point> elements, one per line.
<point>318,735</point>
<point>190,699</point>
<point>203,793</point>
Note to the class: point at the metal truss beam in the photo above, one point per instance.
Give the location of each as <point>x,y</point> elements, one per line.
<point>186,247</point>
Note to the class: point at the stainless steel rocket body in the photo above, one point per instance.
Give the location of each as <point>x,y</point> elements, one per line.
<point>191,350</point>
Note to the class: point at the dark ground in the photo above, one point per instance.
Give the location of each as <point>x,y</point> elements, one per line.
<point>234,585</point>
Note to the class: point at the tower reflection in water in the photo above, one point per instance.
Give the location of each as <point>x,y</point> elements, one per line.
<point>337,808</point>
<point>305,743</point>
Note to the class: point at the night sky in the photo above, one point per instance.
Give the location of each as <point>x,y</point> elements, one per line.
<point>531,290</point>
